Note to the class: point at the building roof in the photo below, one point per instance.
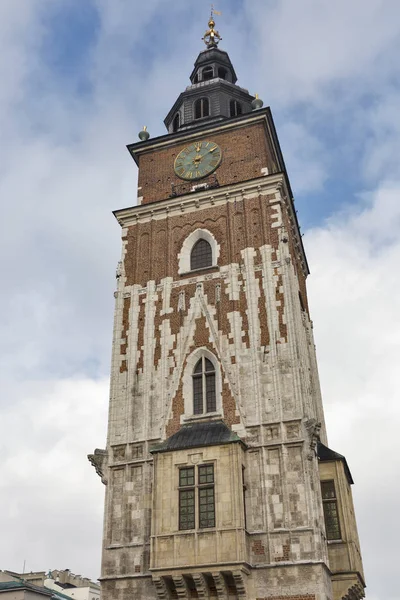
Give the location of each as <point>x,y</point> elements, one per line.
<point>196,435</point>
<point>24,585</point>
<point>325,454</point>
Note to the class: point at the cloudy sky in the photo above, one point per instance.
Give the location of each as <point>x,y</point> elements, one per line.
<point>79,78</point>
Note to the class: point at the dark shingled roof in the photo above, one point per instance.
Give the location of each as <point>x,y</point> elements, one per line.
<point>325,454</point>
<point>196,435</point>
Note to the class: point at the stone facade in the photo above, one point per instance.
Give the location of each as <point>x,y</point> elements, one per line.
<point>248,313</point>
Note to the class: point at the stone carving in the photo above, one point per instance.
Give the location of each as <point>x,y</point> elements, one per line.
<point>313,428</point>
<point>201,586</point>
<point>181,587</point>
<point>292,430</point>
<point>220,586</point>
<point>272,433</point>
<point>99,462</point>
<point>119,452</point>
<point>161,588</point>
<point>240,584</point>
<point>356,592</point>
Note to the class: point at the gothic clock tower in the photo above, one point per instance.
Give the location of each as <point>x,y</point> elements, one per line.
<point>219,479</point>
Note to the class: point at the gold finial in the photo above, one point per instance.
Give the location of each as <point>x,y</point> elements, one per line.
<point>144,134</point>
<point>211,37</point>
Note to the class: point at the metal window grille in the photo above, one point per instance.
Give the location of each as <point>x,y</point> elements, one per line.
<point>201,255</point>
<point>206,474</point>
<point>206,507</point>
<point>186,509</point>
<point>331,513</point>
<point>187,498</point>
<point>204,387</point>
<point>205,497</point>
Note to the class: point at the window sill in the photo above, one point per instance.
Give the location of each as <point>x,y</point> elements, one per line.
<point>214,416</point>
<point>198,271</point>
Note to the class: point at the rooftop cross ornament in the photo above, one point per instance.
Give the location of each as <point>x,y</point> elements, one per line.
<point>211,37</point>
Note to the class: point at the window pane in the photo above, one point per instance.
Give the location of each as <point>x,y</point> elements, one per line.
<point>198,408</point>
<point>206,474</point>
<point>201,255</point>
<point>186,509</point>
<point>206,507</point>
<point>186,476</point>
<point>328,490</point>
<point>332,520</point>
<point>199,367</point>
<point>211,400</point>
<point>208,365</point>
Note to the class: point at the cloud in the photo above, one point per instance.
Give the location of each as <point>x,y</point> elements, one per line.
<point>354,295</point>
<point>330,73</point>
<point>51,499</point>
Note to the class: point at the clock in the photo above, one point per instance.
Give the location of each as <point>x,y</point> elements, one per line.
<point>198,160</point>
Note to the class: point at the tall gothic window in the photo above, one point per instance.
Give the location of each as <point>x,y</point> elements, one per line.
<point>201,108</point>
<point>331,513</point>
<point>235,108</point>
<point>201,255</point>
<point>204,389</point>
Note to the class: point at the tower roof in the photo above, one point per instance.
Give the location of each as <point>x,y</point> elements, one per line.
<point>213,94</point>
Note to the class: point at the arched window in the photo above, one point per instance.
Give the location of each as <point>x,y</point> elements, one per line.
<point>176,122</point>
<point>204,390</point>
<point>201,255</point>
<point>222,73</point>
<point>235,108</point>
<point>201,108</point>
<point>208,73</point>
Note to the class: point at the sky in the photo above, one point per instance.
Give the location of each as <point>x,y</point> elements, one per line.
<point>79,80</point>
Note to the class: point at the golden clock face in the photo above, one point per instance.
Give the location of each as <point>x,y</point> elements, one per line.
<point>198,160</point>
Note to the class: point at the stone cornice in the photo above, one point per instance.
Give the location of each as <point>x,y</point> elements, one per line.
<point>201,199</point>
<point>198,199</point>
<point>171,139</point>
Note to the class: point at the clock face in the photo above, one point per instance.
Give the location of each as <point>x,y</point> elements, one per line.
<point>198,160</point>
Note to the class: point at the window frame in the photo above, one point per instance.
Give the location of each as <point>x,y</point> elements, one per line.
<point>192,360</point>
<point>201,102</point>
<point>188,244</point>
<point>199,490</point>
<point>237,108</point>
<point>197,244</point>
<point>205,375</point>
<point>176,122</point>
<point>332,501</point>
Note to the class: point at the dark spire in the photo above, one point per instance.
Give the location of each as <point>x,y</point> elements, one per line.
<point>213,95</point>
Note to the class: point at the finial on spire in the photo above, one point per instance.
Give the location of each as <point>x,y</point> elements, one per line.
<point>211,37</point>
